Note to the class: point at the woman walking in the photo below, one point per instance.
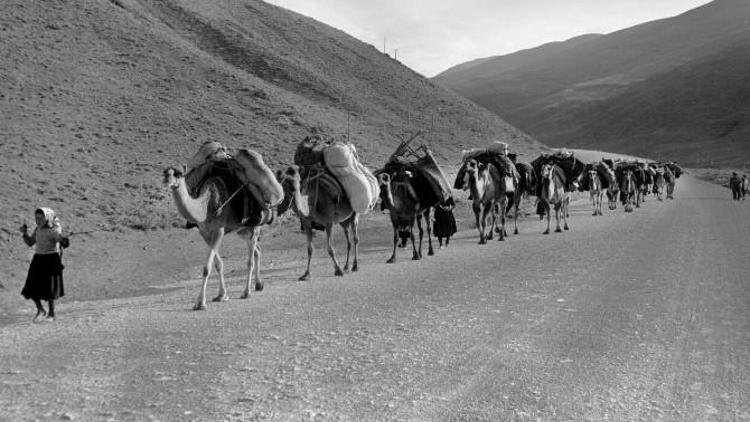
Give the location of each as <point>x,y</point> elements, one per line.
<point>45,278</point>
<point>445,222</point>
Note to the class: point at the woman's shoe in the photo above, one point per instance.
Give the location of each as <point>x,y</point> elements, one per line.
<point>39,313</point>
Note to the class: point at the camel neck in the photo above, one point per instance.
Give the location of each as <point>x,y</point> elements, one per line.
<point>192,209</point>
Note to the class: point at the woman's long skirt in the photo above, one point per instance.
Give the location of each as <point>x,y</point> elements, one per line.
<point>45,278</point>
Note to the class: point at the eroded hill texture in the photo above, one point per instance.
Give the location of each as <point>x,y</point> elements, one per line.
<point>98,96</point>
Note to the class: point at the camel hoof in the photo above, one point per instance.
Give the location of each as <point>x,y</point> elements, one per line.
<point>338,272</point>
<point>220,298</point>
<point>482,242</point>
<point>391,260</point>
<point>566,227</point>
<point>199,307</point>
<point>545,232</point>
<point>354,268</point>
<point>259,287</point>
<point>304,277</point>
<point>431,252</point>
<point>346,268</point>
<point>515,231</point>
<point>558,230</point>
<point>416,257</point>
<point>245,295</point>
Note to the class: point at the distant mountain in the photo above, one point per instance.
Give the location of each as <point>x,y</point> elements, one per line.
<point>97,97</point>
<point>675,88</point>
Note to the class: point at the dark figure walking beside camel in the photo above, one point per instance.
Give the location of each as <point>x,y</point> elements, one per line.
<point>445,222</point>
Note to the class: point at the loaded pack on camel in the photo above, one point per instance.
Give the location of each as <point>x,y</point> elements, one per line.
<point>254,191</point>
<point>495,154</point>
<point>605,173</point>
<point>428,180</point>
<point>527,177</point>
<point>329,164</point>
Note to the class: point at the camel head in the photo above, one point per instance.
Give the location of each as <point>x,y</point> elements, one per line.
<point>384,179</point>
<point>473,169</point>
<point>290,180</point>
<point>172,177</point>
<point>627,180</point>
<point>547,172</point>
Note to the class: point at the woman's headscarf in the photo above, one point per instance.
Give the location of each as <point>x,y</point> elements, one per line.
<point>49,217</point>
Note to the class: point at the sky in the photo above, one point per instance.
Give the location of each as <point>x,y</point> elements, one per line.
<point>431,36</point>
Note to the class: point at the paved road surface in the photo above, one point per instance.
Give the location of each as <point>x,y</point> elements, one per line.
<point>627,317</point>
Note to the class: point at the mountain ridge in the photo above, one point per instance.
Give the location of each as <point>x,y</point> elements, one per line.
<point>549,95</point>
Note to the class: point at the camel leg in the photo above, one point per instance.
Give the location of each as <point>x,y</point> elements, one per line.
<point>200,304</point>
<point>345,226</point>
<point>355,238</point>
<point>565,214</point>
<point>558,211</point>
<point>421,233</point>
<point>517,204</point>
<point>480,225</point>
<point>548,211</point>
<point>219,264</point>
<point>501,232</point>
<point>309,235</point>
<point>492,214</point>
<point>331,252</point>
<point>416,255</point>
<point>252,254</point>
<point>428,223</point>
<point>258,281</point>
<point>392,259</point>
<point>213,240</point>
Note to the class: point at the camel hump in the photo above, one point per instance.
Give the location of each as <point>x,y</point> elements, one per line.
<point>209,151</point>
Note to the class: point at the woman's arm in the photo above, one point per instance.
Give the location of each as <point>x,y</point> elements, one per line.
<point>29,240</point>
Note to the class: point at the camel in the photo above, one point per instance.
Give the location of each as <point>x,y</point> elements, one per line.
<point>320,201</point>
<point>595,190</point>
<point>485,184</point>
<point>526,186</point>
<point>670,178</point>
<point>641,184</point>
<point>660,184</point>
<point>400,199</point>
<point>628,190</point>
<point>211,210</point>
<point>554,194</point>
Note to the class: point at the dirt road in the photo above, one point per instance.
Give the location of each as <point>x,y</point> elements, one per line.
<point>627,317</point>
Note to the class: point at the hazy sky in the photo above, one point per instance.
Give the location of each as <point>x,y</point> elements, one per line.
<point>433,35</point>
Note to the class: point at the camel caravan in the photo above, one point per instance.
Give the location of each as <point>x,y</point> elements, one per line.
<point>222,192</point>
